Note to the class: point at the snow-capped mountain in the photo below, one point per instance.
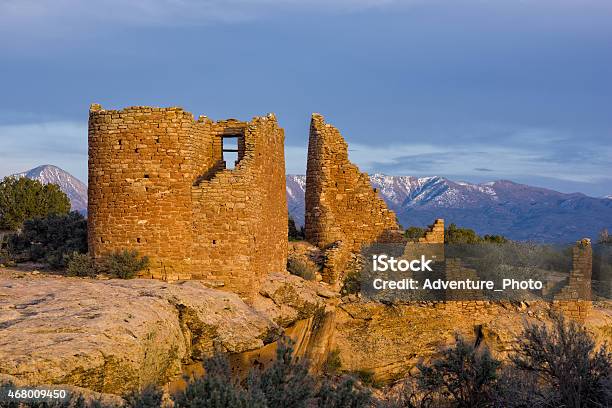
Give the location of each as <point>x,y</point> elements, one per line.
<point>515,210</point>
<point>296,187</point>
<point>74,188</point>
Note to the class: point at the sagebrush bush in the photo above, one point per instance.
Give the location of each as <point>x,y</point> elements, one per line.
<point>50,239</point>
<point>295,234</point>
<point>346,393</point>
<point>215,389</point>
<point>464,375</point>
<point>570,370</point>
<point>81,265</point>
<point>123,264</point>
<point>301,268</point>
<point>285,383</point>
<point>149,397</point>
<point>333,364</point>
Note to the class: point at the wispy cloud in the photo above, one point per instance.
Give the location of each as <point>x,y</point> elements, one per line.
<point>27,145</point>
<point>169,12</point>
<point>522,154</point>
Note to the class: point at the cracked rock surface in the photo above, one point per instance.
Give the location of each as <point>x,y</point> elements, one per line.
<point>116,335</point>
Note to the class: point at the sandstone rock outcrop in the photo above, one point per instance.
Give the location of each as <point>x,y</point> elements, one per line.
<point>112,336</point>
<point>116,335</point>
<point>389,340</point>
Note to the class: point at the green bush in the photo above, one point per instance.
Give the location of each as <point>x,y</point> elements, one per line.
<point>295,234</point>
<point>456,235</point>
<point>81,265</point>
<point>216,389</point>
<point>123,264</point>
<point>149,397</point>
<point>22,199</point>
<point>571,371</point>
<point>351,283</point>
<point>367,377</point>
<point>50,239</point>
<point>414,233</point>
<point>285,383</point>
<point>300,268</point>
<point>345,394</point>
<point>495,239</point>
<point>463,375</point>
<point>333,364</point>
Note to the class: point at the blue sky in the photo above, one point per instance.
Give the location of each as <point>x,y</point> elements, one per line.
<point>473,90</point>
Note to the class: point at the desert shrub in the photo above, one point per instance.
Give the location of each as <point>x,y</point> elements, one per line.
<point>456,235</point>
<point>495,239</point>
<point>22,199</point>
<point>367,378</point>
<point>295,234</point>
<point>149,397</point>
<point>571,371</point>
<point>344,394</point>
<point>333,364</point>
<point>301,268</point>
<point>286,382</point>
<point>409,395</point>
<point>123,264</point>
<point>351,283</point>
<point>414,233</point>
<point>463,375</point>
<point>50,239</point>
<point>518,389</point>
<point>216,389</point>
<point>81,265</point>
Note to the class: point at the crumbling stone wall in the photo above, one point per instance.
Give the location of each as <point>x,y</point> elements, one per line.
<point>158,184</point>
<point>343,211</point>
<point>574,300</point>
<point>431,244</point>
<point>434,234</point>
<point>341,204</point>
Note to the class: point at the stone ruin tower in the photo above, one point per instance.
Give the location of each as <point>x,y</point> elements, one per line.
<point>341,204</point>
<point>343,211</point>
<point>159,184</point>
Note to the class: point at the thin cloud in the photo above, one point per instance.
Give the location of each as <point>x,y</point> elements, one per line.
<point>63,143</point>
<point>169,12</point>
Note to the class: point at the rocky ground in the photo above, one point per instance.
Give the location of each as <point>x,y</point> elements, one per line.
<point>116,335</point>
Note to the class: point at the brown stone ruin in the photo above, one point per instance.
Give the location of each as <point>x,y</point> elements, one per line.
<point>343,211</point>
<point>574,299</point>
<point>341,204</point>
<point>159,184</point>
<point>431,244</point>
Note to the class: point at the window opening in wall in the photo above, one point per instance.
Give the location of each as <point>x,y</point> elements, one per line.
<point>230,150</point>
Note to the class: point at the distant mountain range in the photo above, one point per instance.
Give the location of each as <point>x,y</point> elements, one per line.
<point>74,188</point>
<point>517,211</point>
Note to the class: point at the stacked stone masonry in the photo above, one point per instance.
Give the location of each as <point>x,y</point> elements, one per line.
<point>158,184</point>
<point>434,234</point>
<point>341,205</point>
<point>431,244</point>
<point>574,300</point>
